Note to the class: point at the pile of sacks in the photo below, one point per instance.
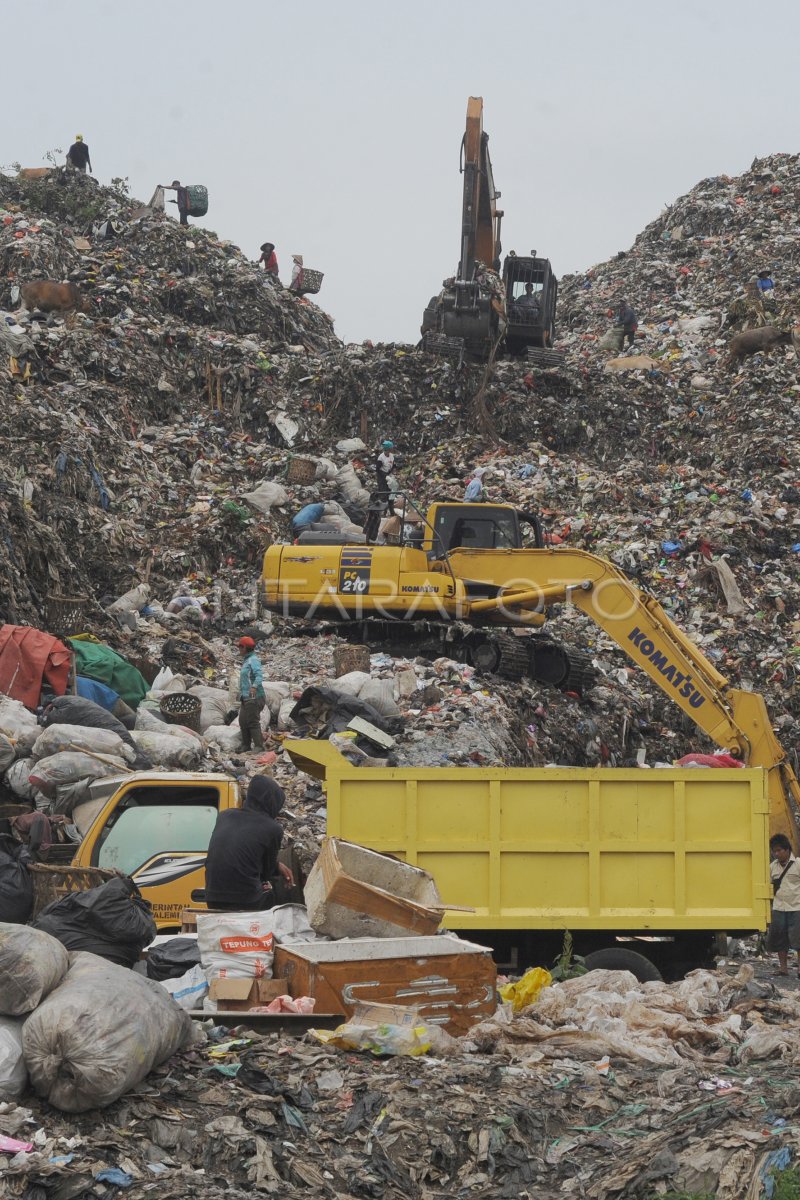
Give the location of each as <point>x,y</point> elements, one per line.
<point>83,1030</point>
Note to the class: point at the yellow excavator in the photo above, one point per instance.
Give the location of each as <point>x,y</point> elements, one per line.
<point>463,575</point>
<point>480,311</point>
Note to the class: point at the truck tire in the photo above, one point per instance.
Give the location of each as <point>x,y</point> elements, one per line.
<point>617,959</point>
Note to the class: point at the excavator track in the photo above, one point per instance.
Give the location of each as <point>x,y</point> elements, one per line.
<point>582,674</point>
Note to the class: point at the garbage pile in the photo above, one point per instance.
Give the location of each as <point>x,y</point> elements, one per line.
<point>567,1097</point>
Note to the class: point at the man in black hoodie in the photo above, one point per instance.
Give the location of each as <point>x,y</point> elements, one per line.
<point>242,868</point>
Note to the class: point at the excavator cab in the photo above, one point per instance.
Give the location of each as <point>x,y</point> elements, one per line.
<point>479,527</point>
<point>531,292</point>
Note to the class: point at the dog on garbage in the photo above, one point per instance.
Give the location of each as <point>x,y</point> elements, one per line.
<point>49,296</point>
<point>750,341</point>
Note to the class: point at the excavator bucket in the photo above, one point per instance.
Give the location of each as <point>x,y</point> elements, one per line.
<point>444,346</point>
<point>542,356</point>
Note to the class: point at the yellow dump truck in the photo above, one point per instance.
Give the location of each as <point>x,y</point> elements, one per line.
<point>644,867</point>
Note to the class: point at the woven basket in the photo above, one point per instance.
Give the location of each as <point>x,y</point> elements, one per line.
<point>52,883</point>
<point>312,282</point>
<point>301,470</point>
<point>181,708</point>
<point>66,614</point>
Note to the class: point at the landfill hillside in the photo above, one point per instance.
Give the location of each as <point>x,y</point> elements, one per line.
<point>134,430</point>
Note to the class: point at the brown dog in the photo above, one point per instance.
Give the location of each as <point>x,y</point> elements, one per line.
<point>753,340</point>
<point>49,296</point>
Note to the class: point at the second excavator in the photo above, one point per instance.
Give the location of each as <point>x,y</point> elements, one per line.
<point>485,309</point>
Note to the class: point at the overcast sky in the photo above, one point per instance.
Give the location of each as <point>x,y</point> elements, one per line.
<point>333,127</point>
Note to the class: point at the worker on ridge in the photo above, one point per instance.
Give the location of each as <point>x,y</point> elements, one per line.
<point>626,320</point>
<point>475,489</point>
<point>269,259</point>
<point>78,155</point>
<point>182,199</point>
<point>251,695</point>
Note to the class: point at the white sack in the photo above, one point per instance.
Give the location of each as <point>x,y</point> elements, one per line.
<point>17,778</point>
<point>32,963</point>
<point>166,750</point>
<point>15,717</point>
<point>236,945</point>
<point>100,1033</point>
<point>57,738</point>
<point>13,1072</point>
<point>227,738</point>
<point>188,990</point>
<point>72,766</point>
<point>266,496</point>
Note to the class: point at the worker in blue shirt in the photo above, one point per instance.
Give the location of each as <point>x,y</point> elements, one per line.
<point>251,695</point>
<point>764,283</point>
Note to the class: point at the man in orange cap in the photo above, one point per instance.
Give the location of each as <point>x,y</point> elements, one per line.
<point>251,695</point>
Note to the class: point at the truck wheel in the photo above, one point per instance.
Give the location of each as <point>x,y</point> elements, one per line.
<point>617,959</point>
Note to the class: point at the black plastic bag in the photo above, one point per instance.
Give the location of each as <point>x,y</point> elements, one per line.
<point>172,959</point>
<point>16,885</point>
<point>112,921</point>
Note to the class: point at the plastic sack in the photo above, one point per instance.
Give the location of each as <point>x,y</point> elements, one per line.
<point>162,679</point>
<point>179,752</point>
<point>18,779</point>
<point>351,682</point>
<point>15,719</point>
<point>405,1040</point>
<point>236,945</point>
<point>227,738</point>
<point>58,738</point>
<point>612,340</point>
<point>709,760</point>
<point>69,796</point>
<point>70,766</point>
<point>148,719</point>
<point>31,964</point>
<point>526,990</point>
<point>7,752</point>
<point>172,958</point>
<point>99,1034</point>
<point>190,990</point>
<point>16,886</point>
<point>266,496</point>
<point>13,1072</point>
<point>111,921</point>
<point>214,705</point>
<point>380,694</point>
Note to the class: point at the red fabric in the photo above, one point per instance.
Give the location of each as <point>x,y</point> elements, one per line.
<point>27,658</point>
<point>709,760</point>
<point>271,263</point>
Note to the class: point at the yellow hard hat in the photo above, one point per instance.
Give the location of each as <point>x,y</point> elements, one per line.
<point>78,137</point>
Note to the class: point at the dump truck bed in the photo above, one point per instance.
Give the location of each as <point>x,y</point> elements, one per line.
<point>565,848</point>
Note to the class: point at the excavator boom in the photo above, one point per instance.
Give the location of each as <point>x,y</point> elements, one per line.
<point>444,581</point>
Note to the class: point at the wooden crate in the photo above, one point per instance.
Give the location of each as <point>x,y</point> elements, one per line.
<point>452,983</point>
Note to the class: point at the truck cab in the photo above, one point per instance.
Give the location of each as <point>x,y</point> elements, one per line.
<point>155,827</point>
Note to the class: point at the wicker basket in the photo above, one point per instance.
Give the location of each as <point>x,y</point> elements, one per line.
<point>312,282</point>
<point>301,470</point>
<point>53,883</point>
<point>66,614</point>
<point>182,708</point>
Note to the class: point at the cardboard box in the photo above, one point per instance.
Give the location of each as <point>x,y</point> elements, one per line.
<point>354,892</point>
<point>450,982</point>
<point>240,995</point>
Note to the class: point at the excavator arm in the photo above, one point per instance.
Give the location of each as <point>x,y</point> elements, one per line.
<point>530,581</point>
<point>480,217</point>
